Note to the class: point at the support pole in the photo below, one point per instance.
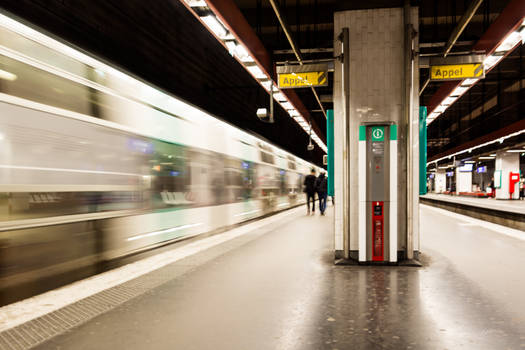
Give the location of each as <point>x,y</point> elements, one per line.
<point>463,22</point>
<point>408,81</point>
<point>345,40</point>
<point>295,48</point>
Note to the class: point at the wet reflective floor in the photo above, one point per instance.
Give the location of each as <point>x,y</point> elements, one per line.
<point>279,289</point>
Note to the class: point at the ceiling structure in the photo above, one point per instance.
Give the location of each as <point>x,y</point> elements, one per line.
<point>161,42</point>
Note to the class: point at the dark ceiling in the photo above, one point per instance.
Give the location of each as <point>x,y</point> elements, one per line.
<point>161,42</point>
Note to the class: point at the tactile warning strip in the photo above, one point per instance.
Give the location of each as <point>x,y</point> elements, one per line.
<point>41,329</point>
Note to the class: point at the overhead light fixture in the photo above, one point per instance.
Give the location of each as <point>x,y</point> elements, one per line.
<point>500,140</point>
<point>491,61</point>
<point>235,47</point>
<point>215,26</point>
<point>522,34</point>
<point>440,109</point>
<point>486,158</point>
<point>287,105</point>
<point>510,41</point>
<point>231,45</point>
<point>449,100</point>
<point>242,54</point>
<point>256,72</point>
<point>470,161</point>
<point>516,150</point>
<point>469,82</point>
<point>492,155</point>
<point>460,90</point>
<point>267,84</point>
<point>279,96</point>
<point>196,3</point>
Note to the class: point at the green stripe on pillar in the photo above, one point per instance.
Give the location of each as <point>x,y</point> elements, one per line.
<point>362,133</point>
<point>422,150</point>
<point>393,132</point>
<point>330,147</point>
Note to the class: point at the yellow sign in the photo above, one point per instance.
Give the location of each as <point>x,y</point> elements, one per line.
<point>457,71</point>
<point>304,79</point>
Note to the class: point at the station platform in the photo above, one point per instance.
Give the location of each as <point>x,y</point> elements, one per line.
<point>511,206</point>
<point>272,284</point>
<point>510,213</point>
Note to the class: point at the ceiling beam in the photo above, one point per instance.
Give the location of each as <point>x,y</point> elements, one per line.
<point>509,19</point>
<point>232,17</point>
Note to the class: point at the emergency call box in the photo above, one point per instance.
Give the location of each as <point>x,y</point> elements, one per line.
<point>378,168</point>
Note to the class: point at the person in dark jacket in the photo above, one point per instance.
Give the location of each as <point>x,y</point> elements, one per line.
<point>309,189</point>
<point>321,186</point>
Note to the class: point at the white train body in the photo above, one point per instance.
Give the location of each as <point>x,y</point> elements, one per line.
<point>95,164</point>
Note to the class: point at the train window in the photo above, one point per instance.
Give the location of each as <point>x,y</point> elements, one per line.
<point>267,157</point>
<point>291,163</point>
<point>40,86</point>
<point>170,175</point>
<point>248,180</point>
<point>34,205</point>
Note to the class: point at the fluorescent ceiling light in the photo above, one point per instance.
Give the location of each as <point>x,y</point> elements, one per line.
<point>196,3</point>
<point>229,36</point>
<point>7,75</point>
<point>522,34</point>
<point>214,25</point>
<point>468,82</point>
<point>433,115</point>
<point>486,158</point>
<point>242,54</point>
<point>442,167</point>
<point>460,90</point>
<point>449,100</point>
<point>266,84</point>
<point>440,109</point>
<point>470,161</point>
<point>492,155</point>
<point>247,59</point>
<point>279,96</point>
<point>231,46</point>
<point>491,61</point>
<point>256,72</point>
<point>510,41</point>
<point>294,113</point>
<point>287,105</point>
<point>515,150</point>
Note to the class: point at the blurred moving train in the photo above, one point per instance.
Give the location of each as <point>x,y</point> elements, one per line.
<point>96,165</point>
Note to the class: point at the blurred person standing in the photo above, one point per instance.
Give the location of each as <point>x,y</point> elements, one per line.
<point>321,186</point>
<point>309,189</point>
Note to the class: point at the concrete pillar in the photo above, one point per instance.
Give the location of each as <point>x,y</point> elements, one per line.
<point>505,164</point>
<point>377,95</point>
<point>463,181</point>
<point>440,181</point>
